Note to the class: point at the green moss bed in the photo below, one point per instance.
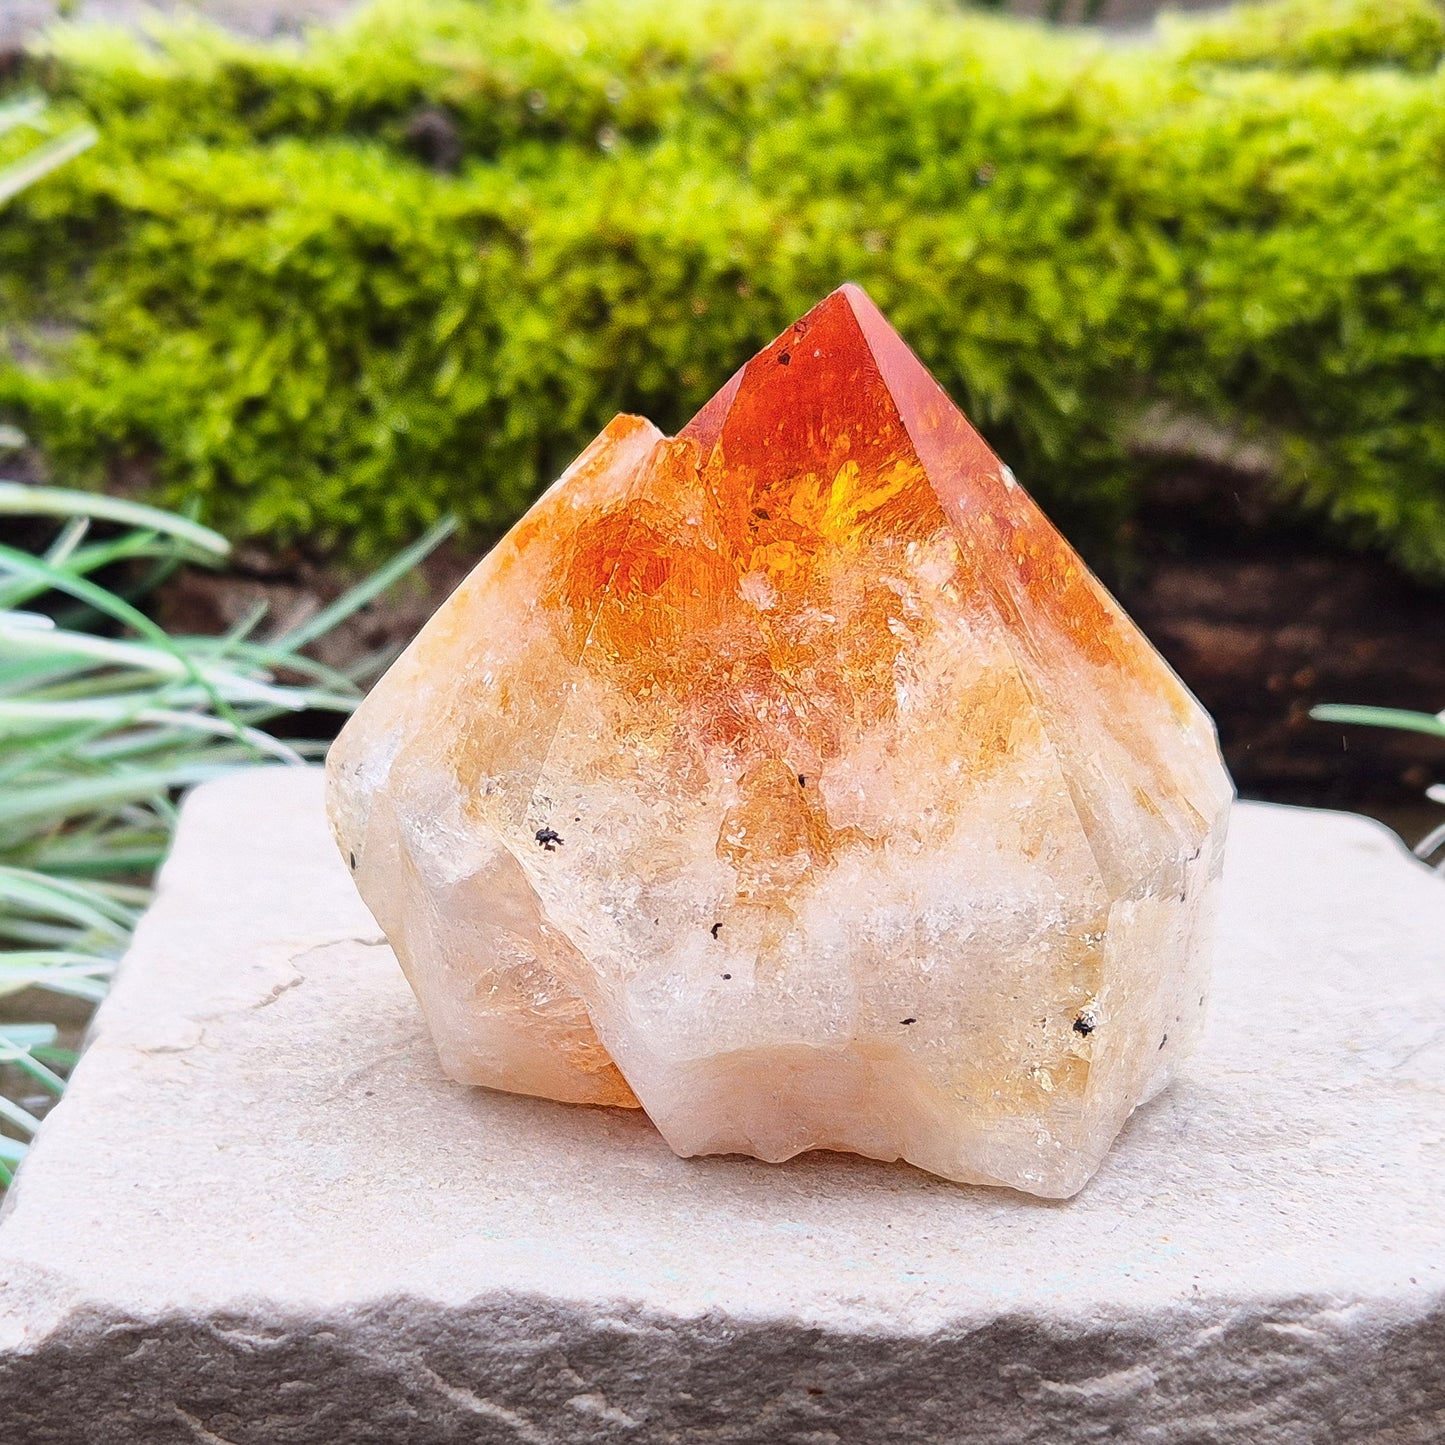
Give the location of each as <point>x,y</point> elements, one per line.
<point>334,288</point>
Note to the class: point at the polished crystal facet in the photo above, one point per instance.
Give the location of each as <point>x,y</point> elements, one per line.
<point>793,779</point>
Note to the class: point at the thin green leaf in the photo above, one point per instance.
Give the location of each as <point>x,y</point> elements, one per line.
<point>357,598</point>
<point>19,499</point>
<point>25,110</point>
<point>11,1112</point>
<point>30,1036</point>
<point>38,717</point>
<point>24,1060</point>
<point>57,898</point>
<point>58,801</point>
<point>1381,717</point>
<point>166,662</point>
<point>42,160</point>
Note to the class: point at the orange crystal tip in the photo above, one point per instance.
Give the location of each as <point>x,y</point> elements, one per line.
<point>839,379</point>
<point>841,386</point>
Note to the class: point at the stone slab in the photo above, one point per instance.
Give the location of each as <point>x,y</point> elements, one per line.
<point>262,1217</point>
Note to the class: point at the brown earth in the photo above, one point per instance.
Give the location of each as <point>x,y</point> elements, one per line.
<point>1264,634</point>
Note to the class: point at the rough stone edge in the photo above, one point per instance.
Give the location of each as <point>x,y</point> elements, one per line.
<point>512,1369</point>
<point>509,1367</point>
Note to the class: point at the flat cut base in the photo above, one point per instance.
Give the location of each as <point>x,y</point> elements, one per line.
<point>263,1215</point>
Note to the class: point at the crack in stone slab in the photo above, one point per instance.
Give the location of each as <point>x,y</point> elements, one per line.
<point>198,1429</point>
<point>1117,1385</point>
<point>598,1407</point>
<point>285,986</point>
<point>186,1038</point>
<point>476,1404</point>
<point>362,940</point>
<point>406,1051</point>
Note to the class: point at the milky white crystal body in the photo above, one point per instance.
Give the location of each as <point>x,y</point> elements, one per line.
<point>793,779</point>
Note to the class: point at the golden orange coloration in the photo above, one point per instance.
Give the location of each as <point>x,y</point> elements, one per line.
<point>794,778</point>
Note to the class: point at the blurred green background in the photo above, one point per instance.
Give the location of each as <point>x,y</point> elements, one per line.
<point>337,288</point>
<point>1188,280</point>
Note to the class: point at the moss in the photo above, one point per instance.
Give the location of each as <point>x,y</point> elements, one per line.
<point>1318,34</point>
<point>412,265</point>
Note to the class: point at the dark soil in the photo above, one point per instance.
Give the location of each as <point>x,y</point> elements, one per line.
<point>1264,616</point>
<point>1261,635</point>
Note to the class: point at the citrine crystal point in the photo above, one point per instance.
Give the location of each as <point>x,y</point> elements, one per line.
<point>794,780</point>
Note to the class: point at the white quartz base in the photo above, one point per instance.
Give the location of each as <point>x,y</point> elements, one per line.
<point>261,1216</point>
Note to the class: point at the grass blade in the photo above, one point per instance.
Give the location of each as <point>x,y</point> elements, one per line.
<point>357,598</point>
<point>1381,717</point>
<point>42,160</point>
<point>19,499</point>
